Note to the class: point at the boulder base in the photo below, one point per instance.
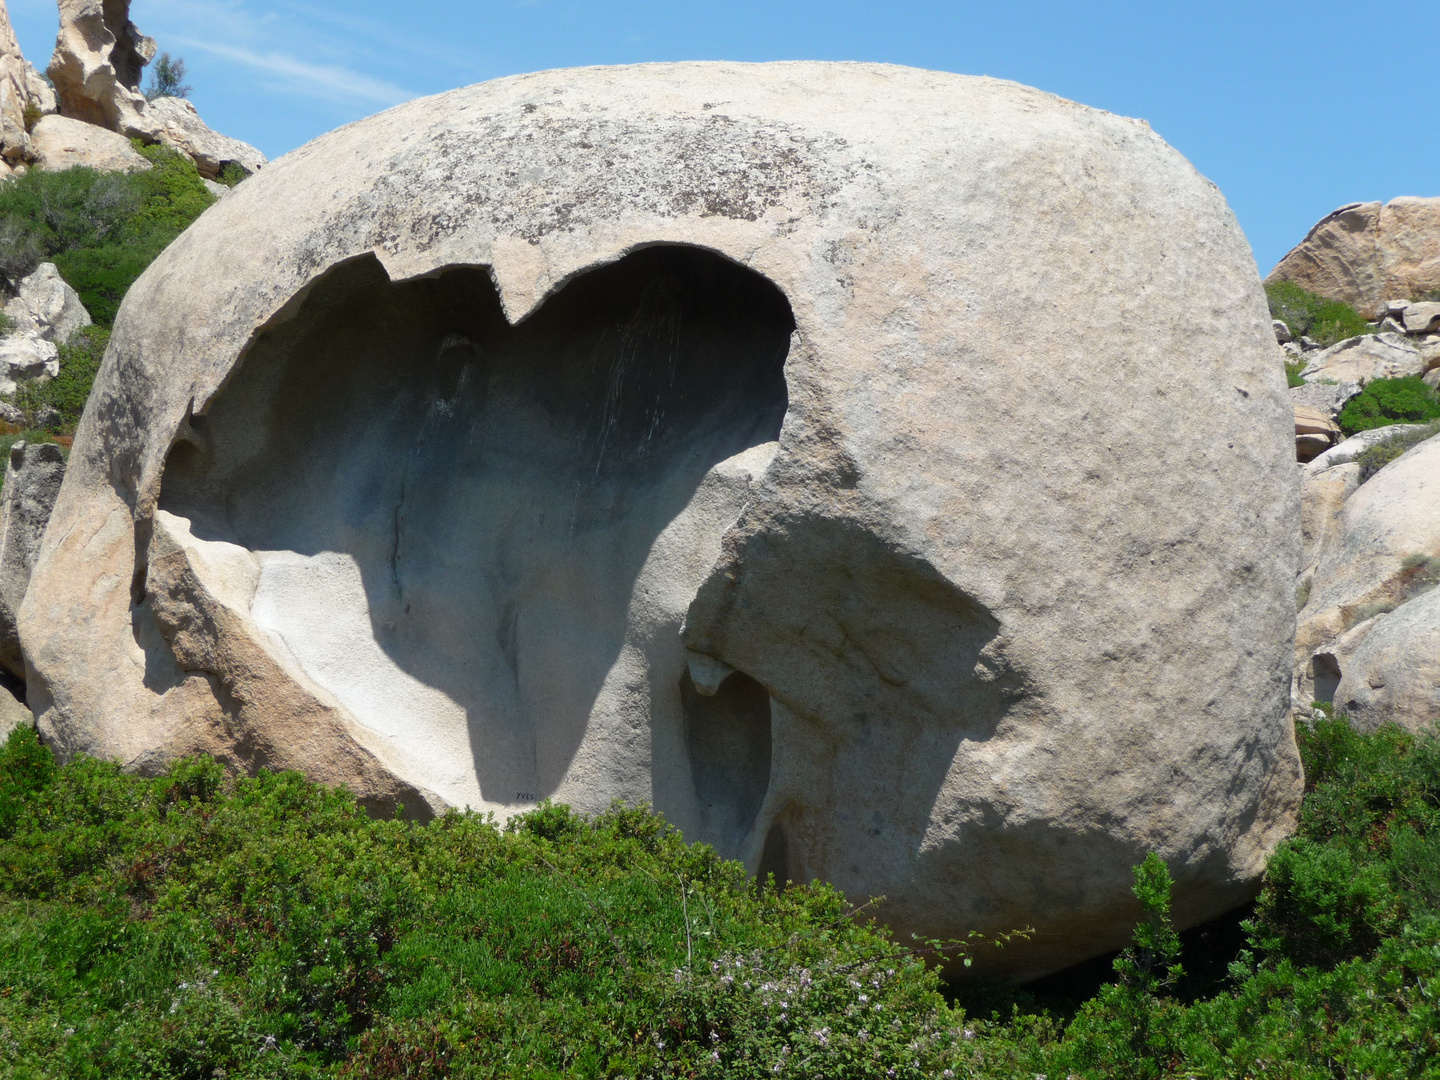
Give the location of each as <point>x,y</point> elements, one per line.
<point>704,434</point>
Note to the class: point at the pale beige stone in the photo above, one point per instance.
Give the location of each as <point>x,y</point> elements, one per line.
<point>98,63</point>
<point>13,714</point>
<point>22,91</point>
<point>1365,359</point>
<point>1392,675</point>
<point>1368,253</point>
<point>507,410</point>
<point>1392,520</point>
<point>61,143</point>
<point>174,122</point>
<point>1322,499</point>
<point>45,305</point>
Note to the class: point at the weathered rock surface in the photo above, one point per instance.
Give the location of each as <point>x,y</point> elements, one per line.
<point>174,122</point>
<point>22,90</point>
<point>26,356</point>
<point>32,481</point>
<point>1388,531</point>
<point>98,62</point>
<point>1327,397</point>
<point>514,418</point>
<point>99,59</point>
<point>1392,674</point>
<point>1315,431</point>
<point>60,143</point>
<point>1366,358</point>
<point>46,306</point>
<point>1367,254</point>
<point>13,714</point>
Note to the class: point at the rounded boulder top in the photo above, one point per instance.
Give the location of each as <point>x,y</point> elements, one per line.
<point>884,473</point>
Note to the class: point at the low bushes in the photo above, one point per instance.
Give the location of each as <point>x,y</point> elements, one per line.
<point>1323,321</point>
<point>190,926</point>
<point>1390,401</point>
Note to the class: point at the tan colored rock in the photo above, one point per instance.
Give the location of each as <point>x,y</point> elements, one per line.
<point>23,94</point>
<point>1322,500</point>
<point>174,122</point>
<point>1421,318</point>
<point>1392,675</point>
<point>32,481</point>
<point>13,714</point>
<point>98,63</point>
<point>1392,520</point>
<point>511,413</point>
<point>1365,359</point>
<point>1367,253</point>
<point>61,143</point>
<point>1315,432</point>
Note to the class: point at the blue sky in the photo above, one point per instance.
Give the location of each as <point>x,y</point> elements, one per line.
<point>1291,108</point>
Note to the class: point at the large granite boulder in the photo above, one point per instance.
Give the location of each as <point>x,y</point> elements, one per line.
<point>1368,254</point>
<point>708,434</point>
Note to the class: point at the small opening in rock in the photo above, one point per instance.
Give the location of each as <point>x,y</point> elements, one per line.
<point>727,736</point>
<point>1326,671</point>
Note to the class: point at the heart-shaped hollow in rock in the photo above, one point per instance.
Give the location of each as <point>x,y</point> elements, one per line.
<point>451,515</point>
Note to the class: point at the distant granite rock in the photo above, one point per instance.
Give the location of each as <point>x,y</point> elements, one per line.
<point>32,480</point>
<point>97,67</point>
<point>1368,254</point>
<point>24,97</point>
<point>61,143</point>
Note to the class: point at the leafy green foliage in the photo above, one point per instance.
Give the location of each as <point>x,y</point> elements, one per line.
<point>100,229</point>
<point>189,924</point>
<point>1390,401</point>
<point>167,78</point>
<point>1292,372</point>
<point>1374,458</point>
<point>1323,321</point>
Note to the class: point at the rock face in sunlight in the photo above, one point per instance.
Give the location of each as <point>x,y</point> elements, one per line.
<point>706,434</point>
<point>24,98</point>
<point>99,60</point>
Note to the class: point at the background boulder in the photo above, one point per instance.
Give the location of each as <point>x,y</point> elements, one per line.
<point>705,434</point>
<point>1368,254</point>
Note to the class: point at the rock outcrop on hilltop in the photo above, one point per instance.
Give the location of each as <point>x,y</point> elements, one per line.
<point>24,98</point>
<point>99,60</point>
<point>1368,254</point>
<point>702,434</point>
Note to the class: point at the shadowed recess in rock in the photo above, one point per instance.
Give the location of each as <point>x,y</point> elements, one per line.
<point>430,488</point>
<point>727,737</point>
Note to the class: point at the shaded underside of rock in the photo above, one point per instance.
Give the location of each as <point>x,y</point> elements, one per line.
<point>703,434</point>
<point>1367,254</point>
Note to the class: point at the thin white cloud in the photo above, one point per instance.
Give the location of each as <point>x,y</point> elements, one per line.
<point>332,82</point>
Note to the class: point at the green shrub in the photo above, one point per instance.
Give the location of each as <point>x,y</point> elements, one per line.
<point>1390,401</point>
<point>190,926</point>
<point>1374,458</point>
<point>1293,368</point>
<point>100,229</point>
<point>1323,321</point>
